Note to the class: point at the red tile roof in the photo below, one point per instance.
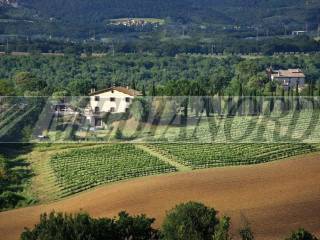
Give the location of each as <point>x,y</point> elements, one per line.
<point>291,73</point>
<point>124,90</point>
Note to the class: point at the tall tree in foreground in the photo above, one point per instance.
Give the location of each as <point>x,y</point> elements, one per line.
<point>192,221</point>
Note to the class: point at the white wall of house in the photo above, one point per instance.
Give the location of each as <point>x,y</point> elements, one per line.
<point>110,101</point>
<point>289,81</point>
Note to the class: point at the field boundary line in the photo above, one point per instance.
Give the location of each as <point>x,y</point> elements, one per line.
<point>180,167</point>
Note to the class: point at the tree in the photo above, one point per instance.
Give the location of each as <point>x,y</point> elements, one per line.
<point>192,221</point>
<point>138,227</point>
<point>26,81</point>
<point>222,229</point>
<point>133,84</point>
<point>58,226</point>
<point>6,88</point>
<point>59,95</point>
<point>143,91</point>
<point>140,109</point>
<point>301,234</point>
<point>245,231</point>
<point>118,134</point>
<point>154,91</point>
<point>9,199</point>
<point>79,87</point>
<point>297,97</point>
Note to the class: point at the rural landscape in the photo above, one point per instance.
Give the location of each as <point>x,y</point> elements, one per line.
<point>148,120</point>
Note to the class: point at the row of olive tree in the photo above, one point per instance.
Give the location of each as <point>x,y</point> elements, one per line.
<point>192,221</point>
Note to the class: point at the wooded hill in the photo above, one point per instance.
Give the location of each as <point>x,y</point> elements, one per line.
<point>92,14</point>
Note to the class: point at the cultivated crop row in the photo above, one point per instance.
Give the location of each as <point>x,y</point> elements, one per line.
<point>215,155</point>
<point>81,169</point>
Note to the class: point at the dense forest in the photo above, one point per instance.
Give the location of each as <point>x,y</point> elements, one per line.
<point>81,19</point>
<point>169,75</point>
<point>230,11</point>
<point>169,47</point>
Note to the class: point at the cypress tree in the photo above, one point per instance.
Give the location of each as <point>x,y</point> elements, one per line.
<point>154,91</point>
<point>143,91</point>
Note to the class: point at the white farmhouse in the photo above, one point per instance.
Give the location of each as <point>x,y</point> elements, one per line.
<point>113,100</point>
<point>289,78</point>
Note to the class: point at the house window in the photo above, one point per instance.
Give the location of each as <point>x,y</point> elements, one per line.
<point>98,122</point>
<point>127,110</point>
<point>112,99</point>
<point>97,98</point>
<point>112,109</point>
<point>128,99</point>
<point>96,109</point>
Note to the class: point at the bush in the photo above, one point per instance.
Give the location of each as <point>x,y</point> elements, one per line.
<point>140,109</point>
<point>9,200</point>
<point>3,169</point>
<point>109,118</point>
<point>192,221</point>
<point>118,134</point>
<point>301,234</point>
<point>58,226</point>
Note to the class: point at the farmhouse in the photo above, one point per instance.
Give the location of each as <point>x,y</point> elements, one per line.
<point>113,100</point>
<point>289,78</point>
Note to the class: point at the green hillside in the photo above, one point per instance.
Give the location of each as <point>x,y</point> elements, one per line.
<point>82,16</point>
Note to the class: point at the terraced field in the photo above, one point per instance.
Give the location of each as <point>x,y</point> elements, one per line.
<point>81,169</point>
<point>217,155</point>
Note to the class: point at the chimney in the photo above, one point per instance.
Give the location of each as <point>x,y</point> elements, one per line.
<point>127,87</point>
<point>92,90</point>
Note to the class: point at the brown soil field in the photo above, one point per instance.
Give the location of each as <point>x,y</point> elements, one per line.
<point>275,197</point>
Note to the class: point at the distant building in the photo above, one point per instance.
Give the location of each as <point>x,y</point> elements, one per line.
<point>299,33</point>
<point>289,78</point>
<point>130,22</point>
<point>113,100</point>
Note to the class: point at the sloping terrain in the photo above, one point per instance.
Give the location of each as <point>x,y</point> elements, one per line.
<point>86,15</point>
<point>187,10</point>
<point>276,197</point>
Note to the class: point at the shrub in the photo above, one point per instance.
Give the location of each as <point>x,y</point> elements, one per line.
<point>9,199</point>
<point>192,221</point>
<point>301,234</point>
<point>58,226</point>
<point>3,169</point>
<point>118,134</point>
<point>109,118</point>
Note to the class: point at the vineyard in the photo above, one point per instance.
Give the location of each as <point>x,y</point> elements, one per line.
<point>77,170</point>
<point>217,155</point>
<point>81,169</point>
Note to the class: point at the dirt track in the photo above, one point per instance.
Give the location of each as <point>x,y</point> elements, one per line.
<point>276,197</point>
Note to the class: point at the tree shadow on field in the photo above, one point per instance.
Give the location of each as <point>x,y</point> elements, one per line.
<point>18,169</point>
